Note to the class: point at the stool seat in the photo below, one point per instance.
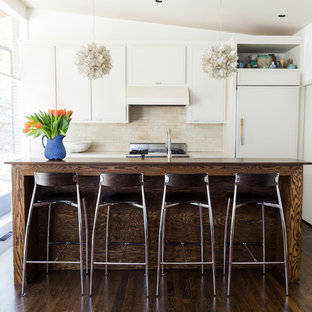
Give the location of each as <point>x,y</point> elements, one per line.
<point>60,197</point>
<point>121,198</point>
<point>186,197</point>
<point>253,198</point>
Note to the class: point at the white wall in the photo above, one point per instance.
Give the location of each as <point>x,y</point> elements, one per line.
<point>58,26</point>
<point>307,52</point>
<point>307,131</point>
<point>307,172</point>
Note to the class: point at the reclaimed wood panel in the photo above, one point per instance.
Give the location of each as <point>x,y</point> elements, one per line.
<point>18,222</point>
<point>292,201</point>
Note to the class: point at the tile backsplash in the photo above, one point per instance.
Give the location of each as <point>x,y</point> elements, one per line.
<point>149,124</point>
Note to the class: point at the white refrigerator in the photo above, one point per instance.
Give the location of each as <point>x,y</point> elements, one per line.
<point>267,121</point>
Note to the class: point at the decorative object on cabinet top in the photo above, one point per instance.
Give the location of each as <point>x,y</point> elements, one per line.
<point>264,61</point>
<point>94,60</point>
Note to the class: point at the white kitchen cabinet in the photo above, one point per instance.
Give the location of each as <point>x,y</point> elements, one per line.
<point>38,84</point>
<point>73,89</point>
<point>268,77</point>
<point>38,78</point>
<point>156,64</point>
<point>207,95</point>
<point>109,92</point>
<point>267,121</point>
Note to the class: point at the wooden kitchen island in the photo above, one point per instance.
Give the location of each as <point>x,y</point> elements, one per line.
<point>182,223</point>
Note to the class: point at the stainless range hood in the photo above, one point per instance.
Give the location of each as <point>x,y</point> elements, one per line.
<point>158,95</point>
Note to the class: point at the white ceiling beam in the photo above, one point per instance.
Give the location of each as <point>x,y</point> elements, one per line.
<point>14,8</point>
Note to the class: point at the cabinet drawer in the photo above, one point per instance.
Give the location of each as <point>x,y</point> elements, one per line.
<point>268,77</point>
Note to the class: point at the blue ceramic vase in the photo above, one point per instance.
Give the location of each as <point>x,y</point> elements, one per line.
<point>54,149</point>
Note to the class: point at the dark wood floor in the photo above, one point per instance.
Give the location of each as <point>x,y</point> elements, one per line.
<point>181,290</point>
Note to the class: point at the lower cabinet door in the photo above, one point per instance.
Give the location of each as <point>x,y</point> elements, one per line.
<point>267,124</point>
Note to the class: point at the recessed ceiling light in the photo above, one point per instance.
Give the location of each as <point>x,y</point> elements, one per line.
<point>282,15</point>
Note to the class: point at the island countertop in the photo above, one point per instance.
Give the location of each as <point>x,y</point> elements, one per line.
<point>156,160</point>
<point>221,170</point>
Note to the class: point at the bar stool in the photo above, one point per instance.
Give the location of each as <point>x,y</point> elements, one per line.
<point>245,194</point>
<point>44,179</point>
<point>198,199</point>
<point>109,199</point>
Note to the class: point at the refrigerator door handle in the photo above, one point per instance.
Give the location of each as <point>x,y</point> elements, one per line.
<point>242,131</point>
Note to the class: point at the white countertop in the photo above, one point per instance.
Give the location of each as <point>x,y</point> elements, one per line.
<point>123,155</point>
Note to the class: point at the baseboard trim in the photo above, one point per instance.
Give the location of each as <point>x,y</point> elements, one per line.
<point>307,223</point>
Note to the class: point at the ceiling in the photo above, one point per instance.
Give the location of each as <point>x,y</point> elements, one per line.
<point>2,14</point>
<point>257,17</point>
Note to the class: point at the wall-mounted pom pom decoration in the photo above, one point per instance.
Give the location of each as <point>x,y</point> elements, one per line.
<point>94,61</point>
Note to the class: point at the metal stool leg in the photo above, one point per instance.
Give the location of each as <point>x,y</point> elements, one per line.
<point>163,242</point>
<point>201,238</point>
<point>31,207</point>
<point>80,240</point>
<point>225,234</point>
<point>106,238</point>
<point>284,239</point>
<point>263,239</point>
<point>160,239</point>
<point>212,242</point>
<point>93,238</point>
<point>285,248</point>
<point>231,247</point>
<point>48,237</point>
<point>145,241</point>
<point>212,251</point>
<point>86,230</point>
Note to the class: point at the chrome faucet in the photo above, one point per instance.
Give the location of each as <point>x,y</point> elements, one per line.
<point>169,153</point>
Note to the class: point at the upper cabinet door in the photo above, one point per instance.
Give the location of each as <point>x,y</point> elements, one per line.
<point>73,89</point>
<point>207,95</point>
<point>38,83</point>
<point>38,77</point>
<point>153,64</point>
<point>109,92</point>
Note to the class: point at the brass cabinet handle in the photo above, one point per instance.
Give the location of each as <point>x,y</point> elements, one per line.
<point>242,131</point>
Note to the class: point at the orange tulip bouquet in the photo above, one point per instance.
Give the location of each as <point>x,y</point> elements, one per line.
<point>54,126</point>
